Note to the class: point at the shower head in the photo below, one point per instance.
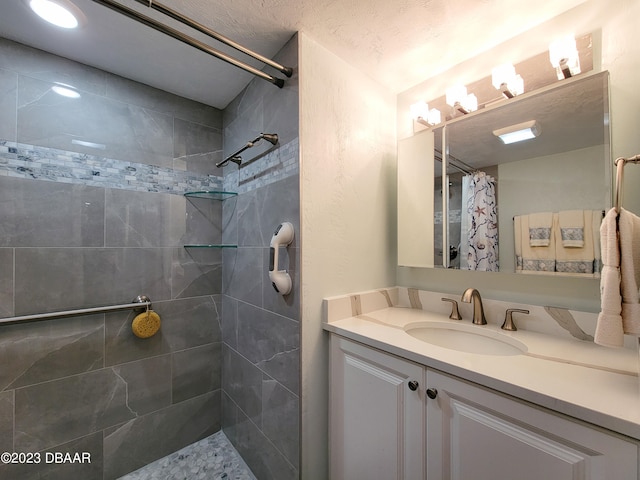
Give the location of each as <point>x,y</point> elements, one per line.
<point>270,137</point>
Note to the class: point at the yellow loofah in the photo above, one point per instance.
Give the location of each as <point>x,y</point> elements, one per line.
<point>146,324</point>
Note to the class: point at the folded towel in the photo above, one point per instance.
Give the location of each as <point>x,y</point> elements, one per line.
<point>574,260</point>
<point>537,258</point>
<point>629,237</point>
<point>609,330</point>
<point>540,229</point>
<point>572,228</point>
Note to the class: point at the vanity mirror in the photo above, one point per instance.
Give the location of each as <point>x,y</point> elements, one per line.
<point>489,196</point>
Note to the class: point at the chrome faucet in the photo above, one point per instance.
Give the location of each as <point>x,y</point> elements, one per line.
<point>478,311</point>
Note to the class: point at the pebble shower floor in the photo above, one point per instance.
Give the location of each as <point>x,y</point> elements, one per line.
<point>211,458</point>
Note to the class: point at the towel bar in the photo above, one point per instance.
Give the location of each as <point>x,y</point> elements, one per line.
<point>619,163</point>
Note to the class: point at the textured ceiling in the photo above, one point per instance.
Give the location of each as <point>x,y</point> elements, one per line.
<point>398,42</point>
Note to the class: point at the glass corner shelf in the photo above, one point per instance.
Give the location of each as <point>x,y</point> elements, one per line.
<point>210,194</point>
<point>203,245</point>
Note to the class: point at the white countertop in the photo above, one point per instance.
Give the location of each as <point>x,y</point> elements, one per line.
<point>595,384</point>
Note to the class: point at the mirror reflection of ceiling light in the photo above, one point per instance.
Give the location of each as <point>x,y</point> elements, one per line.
<point>518,132</point>
<point>61,13</point>
<point>65,90</point>
<point>563,55</point>
<point>505,79</point>
<point>422,114</point>
<point>457,98</point>
<point>99,146</point>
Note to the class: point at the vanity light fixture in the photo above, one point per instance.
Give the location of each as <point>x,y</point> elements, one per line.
<point>61,13</point>
<point>519,132</point>
<point>505,79</point>
<point>563,55</point>
<point>457,98</point>
<point>422,114</point>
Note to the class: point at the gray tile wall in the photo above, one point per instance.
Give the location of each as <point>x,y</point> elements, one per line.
<point>86,383</point>
<point>260,328</point>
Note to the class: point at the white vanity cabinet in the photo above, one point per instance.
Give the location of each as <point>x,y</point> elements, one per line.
<point>475,433</point>
<point>381,429</point>
<point>376,420</point>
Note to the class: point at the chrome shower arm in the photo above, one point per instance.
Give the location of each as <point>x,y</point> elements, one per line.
<point>236,158</point>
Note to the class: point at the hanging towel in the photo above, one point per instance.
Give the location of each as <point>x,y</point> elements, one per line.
<point>537,259</point>
<point>572,228</point>
<point>540,225</point>
<point>629,235</point>
<point>574,260</point>
<point>609,329</point>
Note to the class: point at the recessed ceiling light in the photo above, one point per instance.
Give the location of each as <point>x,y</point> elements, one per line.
<point>61,13</point>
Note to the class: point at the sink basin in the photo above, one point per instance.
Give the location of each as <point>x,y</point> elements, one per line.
<point>468,339</point>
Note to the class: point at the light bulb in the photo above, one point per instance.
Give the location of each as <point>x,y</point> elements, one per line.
<point>54,12</point>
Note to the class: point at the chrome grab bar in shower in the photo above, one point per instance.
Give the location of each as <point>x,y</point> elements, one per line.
<point>141,302</point>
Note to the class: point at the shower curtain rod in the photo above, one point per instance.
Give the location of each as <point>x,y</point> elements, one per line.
<point>455,163</point>
<point>135,15</point>
<point>288,71</point>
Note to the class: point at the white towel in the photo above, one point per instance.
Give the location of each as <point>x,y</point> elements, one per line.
<point>572,228</point>
<point>609,330</point>
<point>574,260</point>
<point>540,229</point>
<point>537,259</point>
<point>629,228</point>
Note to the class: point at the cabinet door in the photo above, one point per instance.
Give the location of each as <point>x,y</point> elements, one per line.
<point>474,433</point>
<point>376,420</point>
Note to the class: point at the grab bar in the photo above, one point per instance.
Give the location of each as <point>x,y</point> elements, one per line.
<point>141,302</point>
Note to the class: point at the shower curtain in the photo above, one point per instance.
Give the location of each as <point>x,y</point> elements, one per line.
<point>479,223</point>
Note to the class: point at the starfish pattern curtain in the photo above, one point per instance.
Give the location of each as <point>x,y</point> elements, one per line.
<point>479,223</point>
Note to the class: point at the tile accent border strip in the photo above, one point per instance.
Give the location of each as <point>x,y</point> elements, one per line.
<point>50,164</point>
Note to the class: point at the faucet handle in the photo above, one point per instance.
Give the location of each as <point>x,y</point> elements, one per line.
<point>455,313</point>
<point>508,319</point>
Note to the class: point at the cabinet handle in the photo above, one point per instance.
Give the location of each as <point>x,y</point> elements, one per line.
<point>432,393</point>
<point>413,385</point>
